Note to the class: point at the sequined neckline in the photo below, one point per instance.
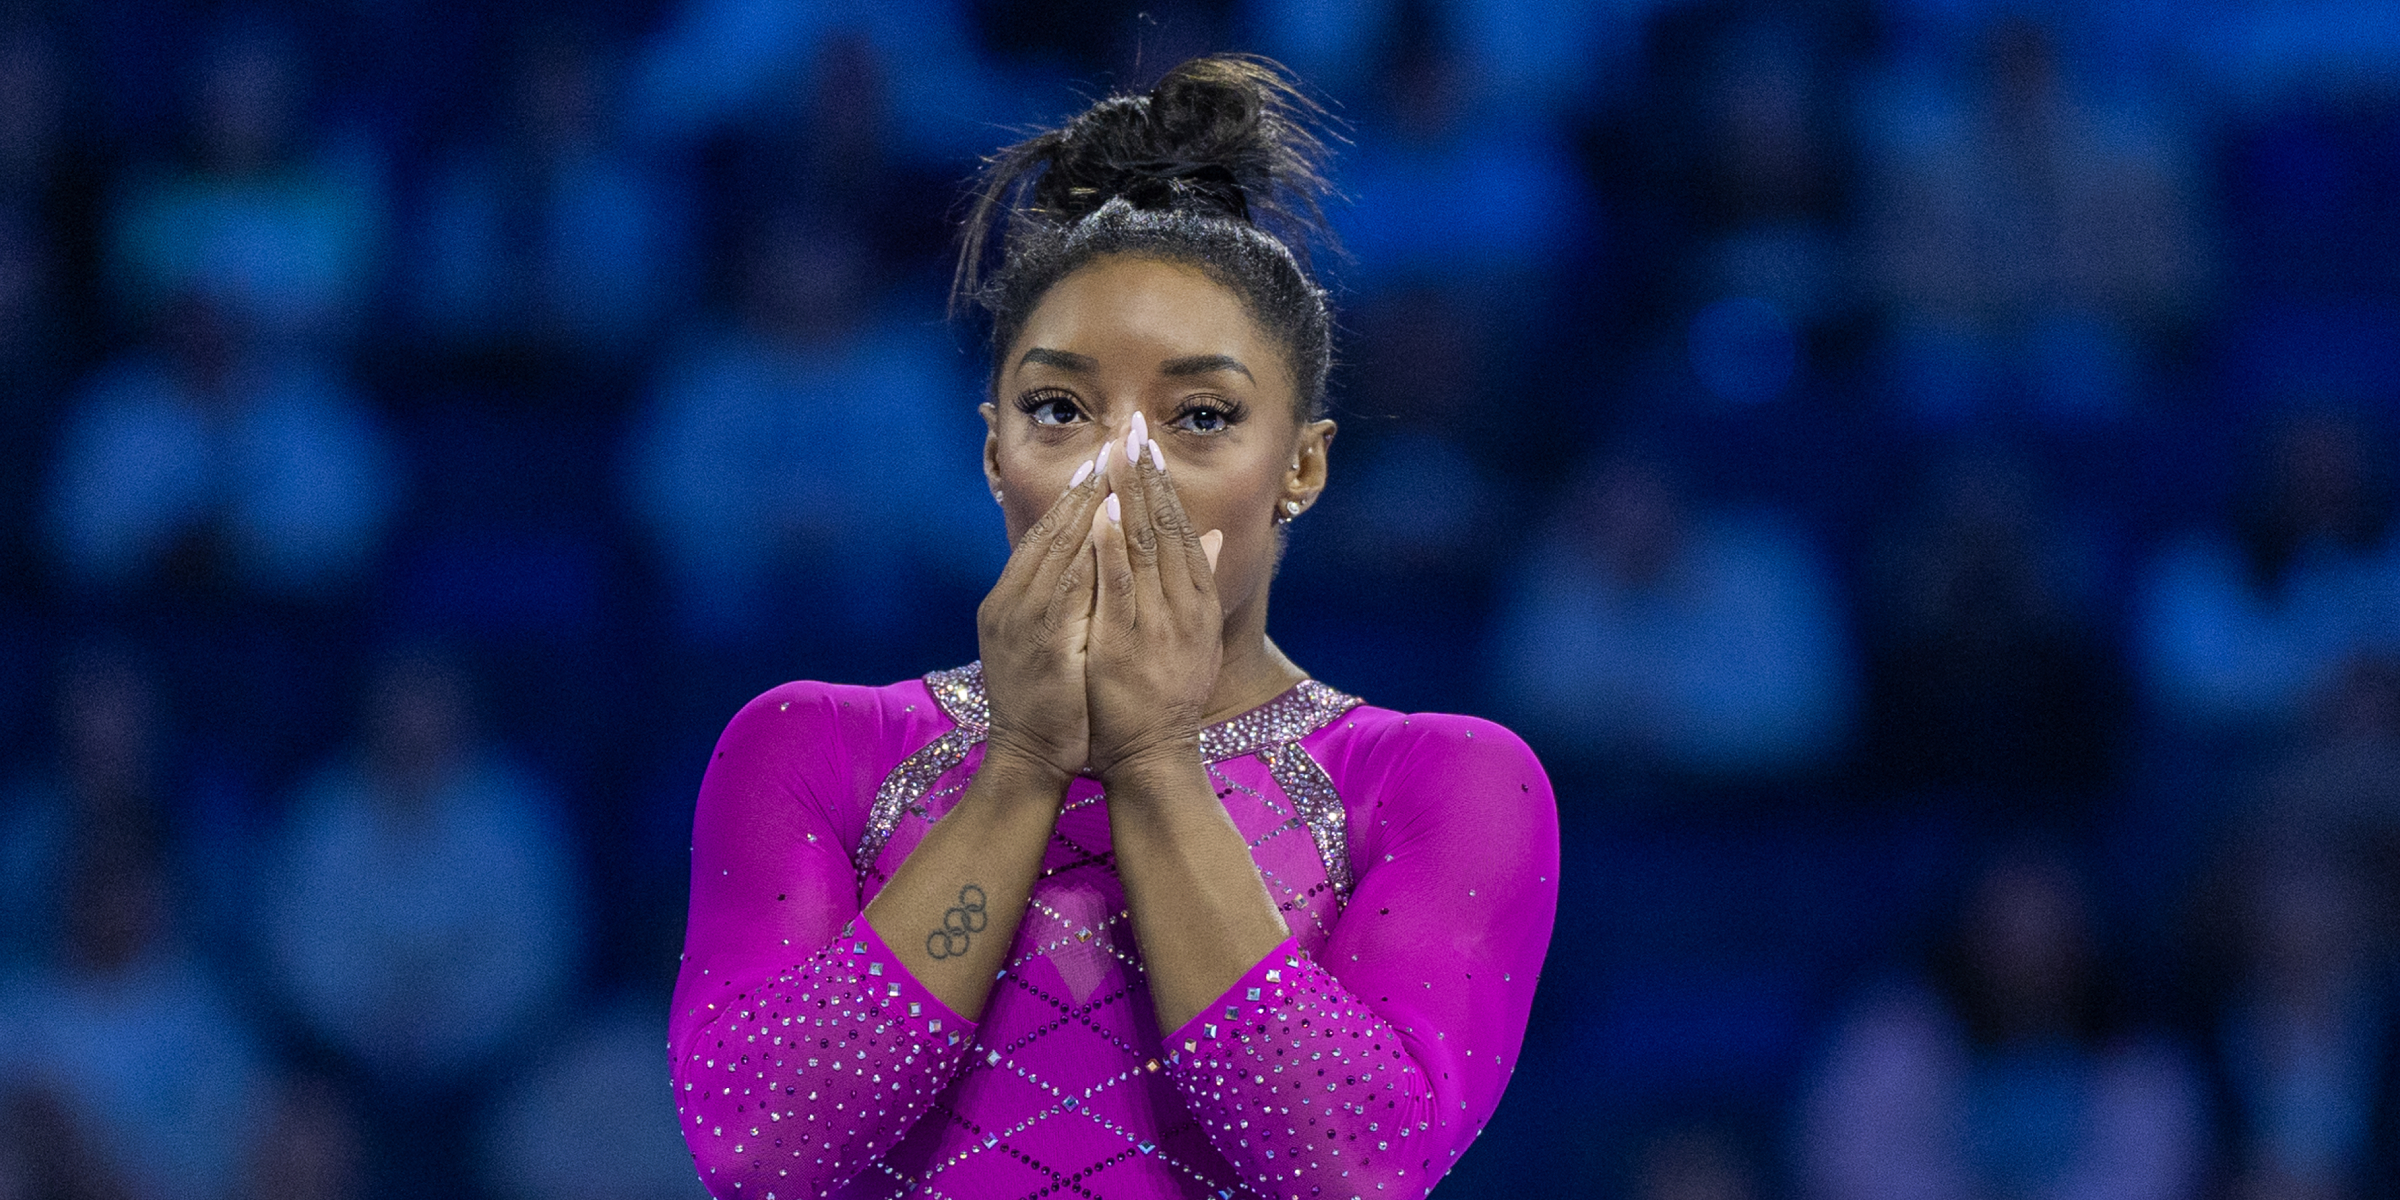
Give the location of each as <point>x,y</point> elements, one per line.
<point>1301,710</point>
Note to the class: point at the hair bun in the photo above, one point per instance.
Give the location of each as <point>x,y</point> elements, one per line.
<point>1226,135</point>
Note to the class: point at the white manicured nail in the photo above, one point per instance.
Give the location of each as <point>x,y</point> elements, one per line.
<point>1081,473</point>
<point>1114,513</point>
<point>1133,439</point>
<point>1158,459</point>
<point>1210,543</point>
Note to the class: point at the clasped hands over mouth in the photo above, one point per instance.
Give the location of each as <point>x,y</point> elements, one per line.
<point>1102,638</point>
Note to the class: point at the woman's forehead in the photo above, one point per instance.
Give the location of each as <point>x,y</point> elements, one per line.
<point>1136,313</point>
<point>1150,298</point>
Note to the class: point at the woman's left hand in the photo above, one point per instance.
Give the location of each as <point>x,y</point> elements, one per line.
<point>1156,630</point>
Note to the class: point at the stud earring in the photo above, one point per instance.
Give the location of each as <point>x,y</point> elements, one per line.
<point>998,497</point>
<point>1286,511</point>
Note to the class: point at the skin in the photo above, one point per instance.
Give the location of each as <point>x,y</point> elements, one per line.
<point>1108,644</point>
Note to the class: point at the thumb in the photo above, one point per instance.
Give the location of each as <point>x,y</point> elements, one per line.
<point>1210,543</point>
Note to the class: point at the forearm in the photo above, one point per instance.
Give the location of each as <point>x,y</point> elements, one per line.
<point>1308,1092</point>
<point>951,911</point>
<point>809,1073</point>
<point>1200,911</point>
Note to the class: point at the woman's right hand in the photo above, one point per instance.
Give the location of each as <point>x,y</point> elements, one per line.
<point>1032,630</point>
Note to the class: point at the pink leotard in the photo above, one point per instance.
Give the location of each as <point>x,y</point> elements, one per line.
<point>1414,857</point>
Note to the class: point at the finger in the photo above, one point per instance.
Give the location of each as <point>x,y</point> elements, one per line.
<point>1025,558</point>
<point>1070,599</point>
<point>1143,538</point>
<point>1066,613</point>
<point>1113,596</point>
<point>1053,543</point>
<point>1192,570</point>
<point>1172,557</point>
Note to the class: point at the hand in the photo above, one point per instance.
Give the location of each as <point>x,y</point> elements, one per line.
<point>1156,631</point>
<point>1033,629</point>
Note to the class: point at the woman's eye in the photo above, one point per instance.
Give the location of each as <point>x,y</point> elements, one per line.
<point>1052,410</point>
<point>1203,419</point>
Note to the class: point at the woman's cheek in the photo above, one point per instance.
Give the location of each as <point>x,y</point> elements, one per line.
<point>1242,566</point>
<point>1027,493</point>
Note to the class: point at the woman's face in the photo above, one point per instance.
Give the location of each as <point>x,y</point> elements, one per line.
<point>1125,335</point>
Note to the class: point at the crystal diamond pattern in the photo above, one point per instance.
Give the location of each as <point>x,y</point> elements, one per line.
<point>1074,974</point>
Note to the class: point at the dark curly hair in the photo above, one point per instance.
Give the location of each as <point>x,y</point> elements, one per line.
<point>1219,167</point>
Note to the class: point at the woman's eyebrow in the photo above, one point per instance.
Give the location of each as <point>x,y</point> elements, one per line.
<point>1202,364</point>
<point>1064,360</point>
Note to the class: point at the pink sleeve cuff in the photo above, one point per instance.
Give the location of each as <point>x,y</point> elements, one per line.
<point>1306,1091</point>
<point>1245,1004</point>
<point>896,991</point>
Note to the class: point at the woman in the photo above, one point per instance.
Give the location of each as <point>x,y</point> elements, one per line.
<point>1132,907</point>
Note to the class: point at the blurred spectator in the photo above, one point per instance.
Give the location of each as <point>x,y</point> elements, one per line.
<point>1647,631</point>
<point>833,144</point>
<point>310,1147</point>
<point>2239,627</point>
<point>1987,670</point>
<point>106,776</point>
<point>44,1155</point>
<point>215,463</point>
<point>719,64</point>
<point>1730,177</point>
<point>49,188</point>
<point>31,319</point>
<point>50,185</point>
<point>590,1122</point>
<point>553,235</point>
<point>2002,1074</point>
<point>2306,1053</point>
<point>1531,57</point>
<point>2343,785</point>
<point>813,430</point>
<point>285,235</point>
<point>1416,493</point>
<point>126,1029</point>
<point>422,911</point>
<point>1448,194</point>
<point>2031,242</point>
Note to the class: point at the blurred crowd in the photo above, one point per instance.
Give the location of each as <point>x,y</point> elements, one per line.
<point>1921,473</point>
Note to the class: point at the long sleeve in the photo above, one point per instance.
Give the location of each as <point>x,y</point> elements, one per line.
<point>802,1049</point>
<point>1366,1071</point>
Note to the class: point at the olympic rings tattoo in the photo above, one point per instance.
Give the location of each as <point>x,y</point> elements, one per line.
<point>952,939</point>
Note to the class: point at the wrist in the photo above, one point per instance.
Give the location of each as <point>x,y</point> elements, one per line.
<point>1150,768</point>
<point>1021,770</point>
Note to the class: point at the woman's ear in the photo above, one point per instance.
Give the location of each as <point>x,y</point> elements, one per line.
<point>1306,477</point>
<point>991,445</point>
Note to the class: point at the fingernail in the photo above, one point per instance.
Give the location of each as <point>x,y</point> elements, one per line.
<point>1081,473</point>
<point>1133,439</point>
<point>1158,459</point>
<point>1114,513</point>
<point>1210,543</point>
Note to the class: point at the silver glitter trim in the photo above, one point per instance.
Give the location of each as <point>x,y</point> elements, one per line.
<point>1308,707</point>
<point>959,691</point>
<point>1272,731</point>
<point>1317,804</point>
<point>905,786</point>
